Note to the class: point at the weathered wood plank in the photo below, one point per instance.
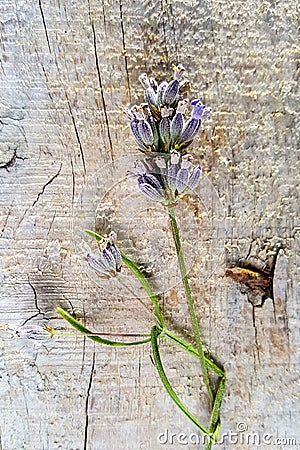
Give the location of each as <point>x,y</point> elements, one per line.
<point>65,69</point>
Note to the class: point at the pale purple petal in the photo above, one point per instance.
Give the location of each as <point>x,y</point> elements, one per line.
<point>200,110</point>
<point>152,192</point>
<point>182,179</point>
<point>194,177</point>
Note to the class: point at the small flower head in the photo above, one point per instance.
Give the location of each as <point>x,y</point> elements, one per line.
<point>107,263</point>
<point>161,126</point>
<point>42,334</point>
<point>167,178</point>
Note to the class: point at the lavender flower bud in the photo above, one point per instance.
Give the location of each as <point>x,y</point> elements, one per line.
<point>149,178</point>
<point>109,260</point>
<point>176,127</point>
<point>194,177</point>
<point>145,133</point>
<point>160,92</point>
<point>151,192</point>
<point>182,179</point>
<point>34,332</point>
<point>144,80</point>
<point>154,131</point>
<point>171,93</point>
<point>189,131</point>
<point>117,256</point>
<point>135,131</point>
<point>164,128</point>
<point>173,170</point>
<point>96,263</point>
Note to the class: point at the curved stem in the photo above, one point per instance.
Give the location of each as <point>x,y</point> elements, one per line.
<point>166,383</point>
<point>190,302</point>
<point>145,283</point>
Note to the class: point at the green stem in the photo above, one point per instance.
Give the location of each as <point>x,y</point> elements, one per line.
<point>190,302</point>
<point>79,327</point>
<point>193,351</point>
<point>144,282</point>
<point>154,335</point>
<point>215,423</point>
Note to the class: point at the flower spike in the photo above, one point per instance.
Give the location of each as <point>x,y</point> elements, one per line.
<point>159,125</point>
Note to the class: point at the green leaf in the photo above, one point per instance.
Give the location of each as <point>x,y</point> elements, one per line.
<point>97,236</point>
<point>79,327</point>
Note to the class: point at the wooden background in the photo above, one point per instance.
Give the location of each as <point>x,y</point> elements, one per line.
<point>66,67</point>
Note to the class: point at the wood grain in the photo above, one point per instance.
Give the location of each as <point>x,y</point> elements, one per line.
<point>66,67</point>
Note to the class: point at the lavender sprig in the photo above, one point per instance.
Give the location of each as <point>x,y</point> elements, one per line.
<point>159,125</point>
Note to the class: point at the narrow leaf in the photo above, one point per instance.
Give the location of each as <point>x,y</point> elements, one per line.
<point>79,327</point>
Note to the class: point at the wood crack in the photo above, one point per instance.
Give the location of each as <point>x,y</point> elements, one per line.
<point>100,83</point>
<point>87,401</point>
<point>40,312</point>
<point>44,25</point>
<point>76,134</point>
<point>45,185</point>
<point>125,50</point>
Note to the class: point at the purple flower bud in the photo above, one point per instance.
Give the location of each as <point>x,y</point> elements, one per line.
<point>176,127</point>
<point>189,131</point>
<point>182,179</point>
<point>117,256</point>
<point>164,128</point>
<point>154,131</point>
<point>171,93</point>
<point>34,332</point>
<point>160,92</point>
<point>135,131</point>
<point>109,260</point>
<point>200,110</point>
<point>151,192</point>
<point>145,133</point>
<point>194,177</point>
<point>150,179</point>
<point>96,263</point>
<point>172,173</point>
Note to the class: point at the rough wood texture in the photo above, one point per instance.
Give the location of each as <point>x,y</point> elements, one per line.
<point>65,69</point>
